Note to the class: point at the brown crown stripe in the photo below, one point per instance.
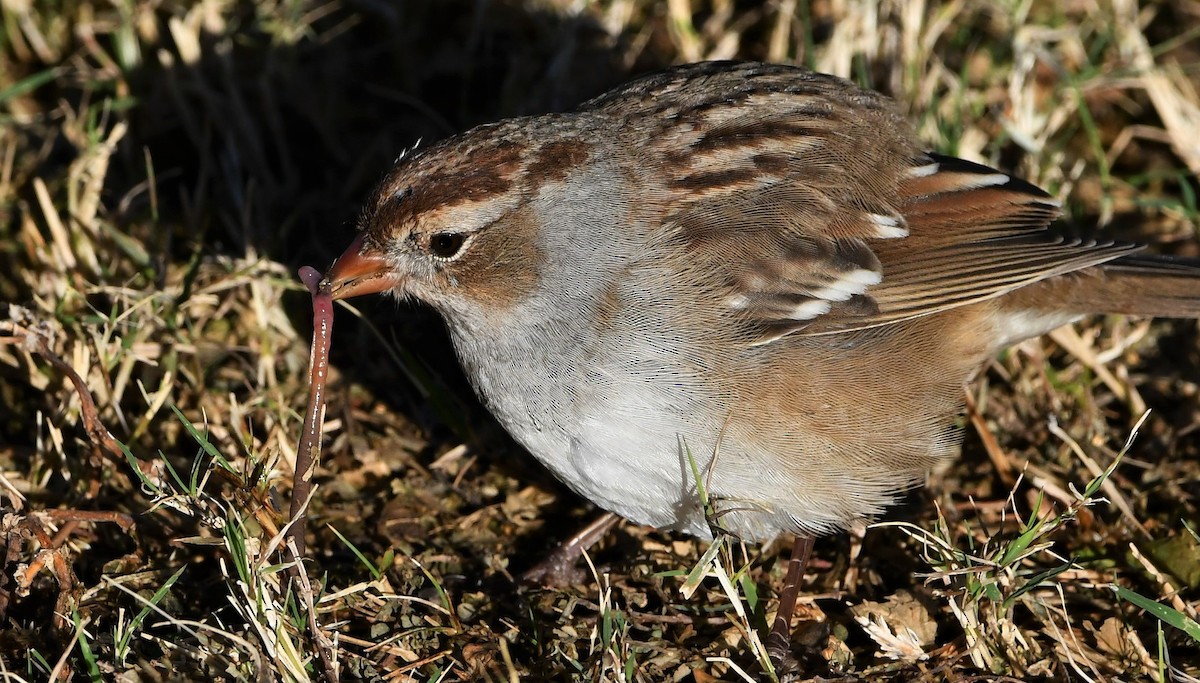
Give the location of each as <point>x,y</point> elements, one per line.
<point>472,175</point>
<point>556,160</point>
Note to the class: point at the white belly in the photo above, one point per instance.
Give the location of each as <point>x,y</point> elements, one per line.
<point>622,445</point>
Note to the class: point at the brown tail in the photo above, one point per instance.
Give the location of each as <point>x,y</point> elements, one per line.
<point>1158,286</point>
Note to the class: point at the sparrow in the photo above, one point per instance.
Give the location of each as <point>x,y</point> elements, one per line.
<point>743,278</point>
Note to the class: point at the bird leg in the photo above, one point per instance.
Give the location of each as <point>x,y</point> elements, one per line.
<point>558,567</point>
<point>780,638</point>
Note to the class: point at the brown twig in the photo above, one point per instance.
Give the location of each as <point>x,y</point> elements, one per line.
<point>51,555</point>
<point>36,341</point>
<point>76,516</point>
<point>1003,464</point>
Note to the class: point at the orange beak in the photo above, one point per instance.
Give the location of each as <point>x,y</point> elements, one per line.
<point>358,271</point>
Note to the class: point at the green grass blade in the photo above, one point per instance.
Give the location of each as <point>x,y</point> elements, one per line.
<point>85,651</point>
<point>28,84</point>
<point>1165,614</point>
<point>366,562</point>
<point>136,622</point>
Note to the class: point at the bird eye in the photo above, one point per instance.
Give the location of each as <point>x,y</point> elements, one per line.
<point>446,244</point>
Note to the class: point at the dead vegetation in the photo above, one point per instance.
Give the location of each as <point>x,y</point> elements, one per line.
<point>165,166</point>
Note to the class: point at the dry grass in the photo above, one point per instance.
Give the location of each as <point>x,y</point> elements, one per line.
<point>164,166</point>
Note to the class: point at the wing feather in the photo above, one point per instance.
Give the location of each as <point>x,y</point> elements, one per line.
<point>799,259</point>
